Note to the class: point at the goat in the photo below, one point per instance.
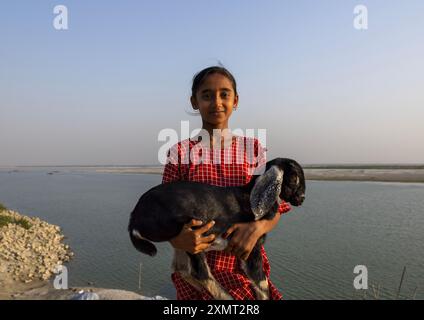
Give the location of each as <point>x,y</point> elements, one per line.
<point>162,211</point>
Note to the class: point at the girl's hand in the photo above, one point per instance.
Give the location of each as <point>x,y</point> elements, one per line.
<point>191,240</point>
<point>245,236</point>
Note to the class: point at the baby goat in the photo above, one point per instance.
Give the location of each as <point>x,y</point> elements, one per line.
<point>162,211</point>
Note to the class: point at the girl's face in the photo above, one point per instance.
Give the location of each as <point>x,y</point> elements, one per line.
<point>215,100</point>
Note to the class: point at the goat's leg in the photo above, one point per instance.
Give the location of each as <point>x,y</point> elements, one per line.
<point>202,274</point>
<point>253,267</point>
<point>181,264</point>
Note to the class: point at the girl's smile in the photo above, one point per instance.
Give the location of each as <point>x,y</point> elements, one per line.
<point>217,113</point>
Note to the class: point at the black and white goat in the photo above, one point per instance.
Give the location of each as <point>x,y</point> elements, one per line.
<point>162,211</point>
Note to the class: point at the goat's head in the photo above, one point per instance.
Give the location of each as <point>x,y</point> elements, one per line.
<point>283,179</point>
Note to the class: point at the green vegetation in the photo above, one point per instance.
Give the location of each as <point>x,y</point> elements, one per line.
<point>5,220</point>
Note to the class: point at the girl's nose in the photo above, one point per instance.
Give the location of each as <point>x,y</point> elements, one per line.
<point>216,100</point>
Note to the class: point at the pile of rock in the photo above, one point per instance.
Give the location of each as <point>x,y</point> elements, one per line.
<point>33,253</point>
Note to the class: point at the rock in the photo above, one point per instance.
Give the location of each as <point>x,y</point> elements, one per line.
<point>86,296</point>
<point>32,253</point>
<point>30,256</point>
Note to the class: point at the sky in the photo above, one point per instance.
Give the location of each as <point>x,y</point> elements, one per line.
<point>100,92</point>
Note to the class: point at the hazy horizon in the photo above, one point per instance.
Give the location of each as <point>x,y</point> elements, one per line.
<point>100,92</point>
<point>159,165</point>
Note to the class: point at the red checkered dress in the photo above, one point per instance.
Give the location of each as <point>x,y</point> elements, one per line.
<point>230,166</point>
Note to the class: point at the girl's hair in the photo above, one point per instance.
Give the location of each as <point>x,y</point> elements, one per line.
<point>200,77</point>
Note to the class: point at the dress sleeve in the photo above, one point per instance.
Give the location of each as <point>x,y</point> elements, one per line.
<point>171,171</point>
<point>284,207</point>
<point>261,161</point>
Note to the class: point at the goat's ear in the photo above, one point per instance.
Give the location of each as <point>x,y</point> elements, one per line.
<point>266,191</point>
<point>295,175</point>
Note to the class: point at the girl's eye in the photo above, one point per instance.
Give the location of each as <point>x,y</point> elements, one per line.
<point>206,96</point>
<point>224,95</point>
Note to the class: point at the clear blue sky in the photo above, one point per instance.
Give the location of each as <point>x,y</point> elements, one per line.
<point>100,92</point>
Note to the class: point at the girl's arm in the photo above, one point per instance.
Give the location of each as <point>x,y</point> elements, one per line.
<point>188,239</point>
<point>245,235</point>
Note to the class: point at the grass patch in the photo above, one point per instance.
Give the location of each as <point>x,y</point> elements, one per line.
<point>2,207</point>
<point>5,220</point>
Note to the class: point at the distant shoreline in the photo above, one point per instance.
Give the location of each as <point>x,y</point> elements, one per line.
<point>372,172</point>
<point>377,175</point>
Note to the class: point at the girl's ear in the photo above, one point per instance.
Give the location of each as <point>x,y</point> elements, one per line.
<point>236,100</point>
<point>266,191</point>
<point>194,103</point>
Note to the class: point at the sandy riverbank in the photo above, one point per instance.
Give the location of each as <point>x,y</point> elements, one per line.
<point>382,175</point>
<point>44,290</point>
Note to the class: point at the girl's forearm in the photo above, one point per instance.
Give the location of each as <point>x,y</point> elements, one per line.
<point>266,226</point>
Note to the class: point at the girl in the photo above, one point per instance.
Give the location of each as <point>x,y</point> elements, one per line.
<point>214,95</point>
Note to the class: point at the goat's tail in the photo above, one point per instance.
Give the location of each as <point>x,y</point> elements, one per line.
<point>142,244</point>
